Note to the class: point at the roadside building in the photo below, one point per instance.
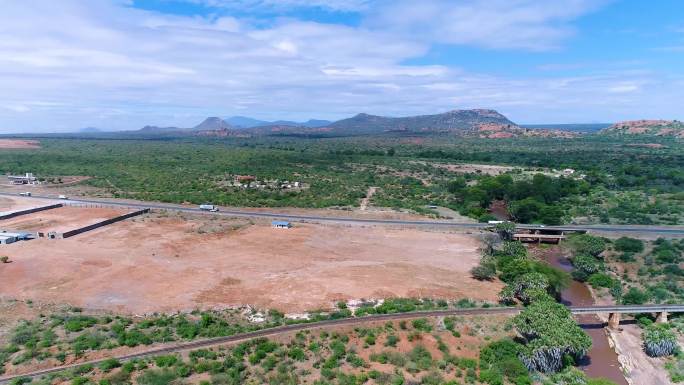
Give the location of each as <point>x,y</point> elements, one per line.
<point>27,178</point>
<point>245,178</point>
<point>281,224</point>
<point>7,239</point>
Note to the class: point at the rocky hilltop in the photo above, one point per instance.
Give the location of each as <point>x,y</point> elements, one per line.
<point>483,123</point>
<point>457,121</point>
<point>672,128</point>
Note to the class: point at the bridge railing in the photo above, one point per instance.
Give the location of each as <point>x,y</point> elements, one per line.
<point>627,309</point>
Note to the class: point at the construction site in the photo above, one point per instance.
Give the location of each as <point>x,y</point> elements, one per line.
<point>136,261</point>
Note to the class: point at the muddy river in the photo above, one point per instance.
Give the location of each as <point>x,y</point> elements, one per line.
<point>602,360</point>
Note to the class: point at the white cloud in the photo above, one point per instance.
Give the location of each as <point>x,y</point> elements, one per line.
<point>334,5</point>
<point>71,64</point>
<point>499,24</point>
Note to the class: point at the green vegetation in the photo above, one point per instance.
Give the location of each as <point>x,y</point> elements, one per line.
<point>659,340</point>
<point>72,334</point>
<point>551,335</point>
<point>311,357</point>
<point>612,182</point>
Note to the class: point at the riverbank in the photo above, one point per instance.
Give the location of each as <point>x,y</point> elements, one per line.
<point>602,360</point>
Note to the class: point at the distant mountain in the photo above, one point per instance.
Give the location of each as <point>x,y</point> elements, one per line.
<point>212,123</point>
<point>458,121</point>
<point>479,123</point>
<point>151,129</point>
<point>673,128</point>
<point>89,130</point>
<point>315,123</point>
<point>247,122</point>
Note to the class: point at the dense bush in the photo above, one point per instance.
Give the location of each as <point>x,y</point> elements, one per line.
<point>587,244</point>
<point>499,360</point>
<point>629,245</point>
<point>604,280</point>
<point>659,340</point>
<point>550,334</point>
<point>635,296</point>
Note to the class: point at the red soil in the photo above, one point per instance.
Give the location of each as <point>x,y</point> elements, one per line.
<point>167,264</point>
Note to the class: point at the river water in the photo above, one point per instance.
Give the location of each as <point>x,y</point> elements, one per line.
<point>602,360</point>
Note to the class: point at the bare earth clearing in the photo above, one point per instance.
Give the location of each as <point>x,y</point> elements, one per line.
<point>165,264</point>
<point>11,204</point>
<point>19,143</point>
<point>60,219</point>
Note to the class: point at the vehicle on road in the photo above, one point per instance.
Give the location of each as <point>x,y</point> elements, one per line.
<point>208,207</point>
<point>25,194</point>
<point>63,197</point>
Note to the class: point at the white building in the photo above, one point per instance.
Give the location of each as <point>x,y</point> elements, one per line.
<point>27,178</point>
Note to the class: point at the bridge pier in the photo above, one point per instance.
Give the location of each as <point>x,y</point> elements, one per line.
<point>662,318</point>
<point>614,320</point>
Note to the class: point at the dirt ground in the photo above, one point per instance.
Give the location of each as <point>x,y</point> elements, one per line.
<point>19,143</point>
<point>488,169</point>
<point>163,264</point>
<point>60,219</point>
<point>639,367</point>
<point>11,204</point>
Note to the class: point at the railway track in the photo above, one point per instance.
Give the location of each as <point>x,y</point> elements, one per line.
<point>210,342</point>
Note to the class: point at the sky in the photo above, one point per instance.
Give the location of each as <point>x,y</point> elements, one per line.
<point>123,64</point>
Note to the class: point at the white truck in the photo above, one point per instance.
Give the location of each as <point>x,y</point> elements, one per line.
<point>208,207</point>
<point>63,197</point>
<point>25,194</point>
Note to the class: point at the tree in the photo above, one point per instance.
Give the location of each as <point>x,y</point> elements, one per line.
<point>659,340</point>
<point>550,333</point>
<point>514,249</point>
<point>527,288</point>
<point>585,265</point>
<point>588,244</point>
<point>526,210</point>
<point>505,230</point>
<point>4,259</point>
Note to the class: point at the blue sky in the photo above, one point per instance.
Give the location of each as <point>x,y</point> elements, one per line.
<point>122,64</point>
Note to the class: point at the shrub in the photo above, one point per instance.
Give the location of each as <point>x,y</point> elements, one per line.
<point>156,377</point>
<point>499,359</point>
<point>165,361</point>
<point>629,245</point>
<point>659,340</point>
<point>601,280</point>
<point>634,296</point>
<point>485,271</point>
<point>392,340</point>
<point>422,324</point>
<point>78,323</point>
<point>109,364</point>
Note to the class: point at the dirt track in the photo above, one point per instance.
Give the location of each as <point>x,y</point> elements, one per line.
<point>169,264</point>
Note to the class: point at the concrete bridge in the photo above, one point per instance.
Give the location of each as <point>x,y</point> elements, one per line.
<point>614,311</point>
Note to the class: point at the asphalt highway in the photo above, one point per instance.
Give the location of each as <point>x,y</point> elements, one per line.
<point>662,230</point>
